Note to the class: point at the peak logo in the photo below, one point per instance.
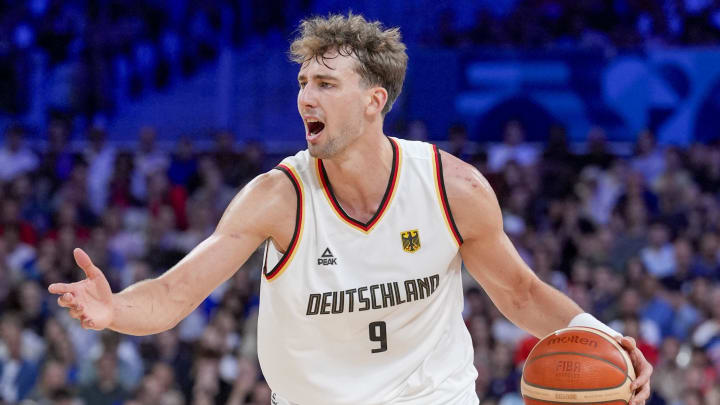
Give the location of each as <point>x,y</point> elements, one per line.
<point>327,258</point>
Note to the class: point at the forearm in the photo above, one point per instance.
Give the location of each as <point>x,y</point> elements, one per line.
<point>538,308</point>
<point>148,307</point>
<point>156,305</point>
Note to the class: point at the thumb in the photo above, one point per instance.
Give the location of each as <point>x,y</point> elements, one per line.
<point>83,260</point>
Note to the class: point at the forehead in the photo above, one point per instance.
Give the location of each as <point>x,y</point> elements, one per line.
<point>333,64</point>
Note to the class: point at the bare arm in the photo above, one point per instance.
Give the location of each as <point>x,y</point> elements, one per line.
<point>265,208</point>
<point>494,262</point>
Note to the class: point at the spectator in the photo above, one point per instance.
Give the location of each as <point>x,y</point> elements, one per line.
<point>15,158</point>
<point>58,160</point>
<point>558,165</point>
<point>513,149</point>
<point>183,164</point>
<point>149,160</point>
<point>53,378</point>
<point>648,160</point>
<point>708,258</point>
<point>17,371</point>
<point>597,153</point>
<point>100,157</point>
<point>226,157</point>
<point>105,389</point>
<point>659,256</point>
<point>459,145</point>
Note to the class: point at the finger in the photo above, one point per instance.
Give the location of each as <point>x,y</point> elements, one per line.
<point>88,324</point>
<point>643,395</point>
<point>645,369</point>
<point>66,300</point>
<point>627,342</point>
<point>83,260</point>
<point>60,288</point>
<point>75,314</point>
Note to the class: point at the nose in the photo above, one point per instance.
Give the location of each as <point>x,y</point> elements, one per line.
<point>306,97</point>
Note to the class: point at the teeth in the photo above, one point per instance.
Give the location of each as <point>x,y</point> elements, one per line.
<point>312,120</point>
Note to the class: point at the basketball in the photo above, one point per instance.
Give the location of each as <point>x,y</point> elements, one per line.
<point>577,365</point>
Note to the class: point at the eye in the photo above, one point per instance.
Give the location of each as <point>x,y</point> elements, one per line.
<point>325,85</point>
<point>302,84</point>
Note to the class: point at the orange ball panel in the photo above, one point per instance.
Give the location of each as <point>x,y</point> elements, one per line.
<point>580,341</point>
<point>572,371</point>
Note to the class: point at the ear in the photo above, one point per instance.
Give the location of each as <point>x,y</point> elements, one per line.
<point>376,101</point>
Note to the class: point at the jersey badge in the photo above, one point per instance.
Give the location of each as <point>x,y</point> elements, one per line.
<point>410,240</point>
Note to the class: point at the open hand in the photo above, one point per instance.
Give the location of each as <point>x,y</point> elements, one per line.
<point>89,300</point>
<point>643,370</point>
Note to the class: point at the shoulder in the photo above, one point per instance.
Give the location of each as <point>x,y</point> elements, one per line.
<point>472,200</point>
<point>276,181</point>
<point>414,149</point>
<point>264,205</point>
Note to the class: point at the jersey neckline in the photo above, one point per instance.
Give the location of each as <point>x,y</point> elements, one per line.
<point>365,227</point>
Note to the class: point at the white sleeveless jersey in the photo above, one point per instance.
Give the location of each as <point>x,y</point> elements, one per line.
<point>368,313</point>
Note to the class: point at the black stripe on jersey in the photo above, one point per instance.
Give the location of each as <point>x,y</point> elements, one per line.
<point>296,233</point>
<point>443,194</point>
<point>385,199</point>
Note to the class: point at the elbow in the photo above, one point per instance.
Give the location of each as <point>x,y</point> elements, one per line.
<point>174,307</point>
<point>524,293</point>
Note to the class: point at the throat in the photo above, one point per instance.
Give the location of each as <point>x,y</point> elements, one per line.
<point>360,192</point>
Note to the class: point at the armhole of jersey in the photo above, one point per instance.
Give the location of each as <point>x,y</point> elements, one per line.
<point>442,196</point>
<point>287,257</point>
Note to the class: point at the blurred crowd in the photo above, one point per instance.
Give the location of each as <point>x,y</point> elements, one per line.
<point>92,56</point>
<point>632,237</point>
<point>136,213</point>
<point>586,23</point>
<point>92,50</point>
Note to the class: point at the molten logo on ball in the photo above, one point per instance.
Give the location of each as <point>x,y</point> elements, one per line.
<point>573,339</point>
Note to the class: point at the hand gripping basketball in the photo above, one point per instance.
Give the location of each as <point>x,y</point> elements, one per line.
<point>641,386</point>
<point>89,300</point>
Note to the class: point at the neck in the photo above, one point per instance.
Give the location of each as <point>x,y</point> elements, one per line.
<point>359,175</point>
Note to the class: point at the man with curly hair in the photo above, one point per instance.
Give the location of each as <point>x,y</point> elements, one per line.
<point>364,234</point>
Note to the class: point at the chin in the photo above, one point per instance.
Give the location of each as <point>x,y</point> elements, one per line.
<point>323,150</point>
<point>318,151</point>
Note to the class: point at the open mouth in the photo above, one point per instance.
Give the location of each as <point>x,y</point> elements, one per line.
<point>314,128</point>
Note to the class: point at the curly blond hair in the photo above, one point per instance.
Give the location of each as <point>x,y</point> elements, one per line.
<point>379,51</point>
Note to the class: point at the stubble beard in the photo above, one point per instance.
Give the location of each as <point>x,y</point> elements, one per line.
<point>324,150</point>
<point>332,145</point>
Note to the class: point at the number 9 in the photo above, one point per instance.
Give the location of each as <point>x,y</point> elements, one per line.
<point>378,333</point>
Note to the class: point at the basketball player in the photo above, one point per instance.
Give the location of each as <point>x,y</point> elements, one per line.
<point>361,295</point>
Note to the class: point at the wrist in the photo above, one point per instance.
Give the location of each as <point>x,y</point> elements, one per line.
<point>114,308</point>
<point>587,320</point>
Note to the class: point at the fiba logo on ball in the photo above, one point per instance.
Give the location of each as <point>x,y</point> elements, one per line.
<point>577,365</point>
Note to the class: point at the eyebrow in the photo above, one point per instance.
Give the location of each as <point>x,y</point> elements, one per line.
<point>318,77</point>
